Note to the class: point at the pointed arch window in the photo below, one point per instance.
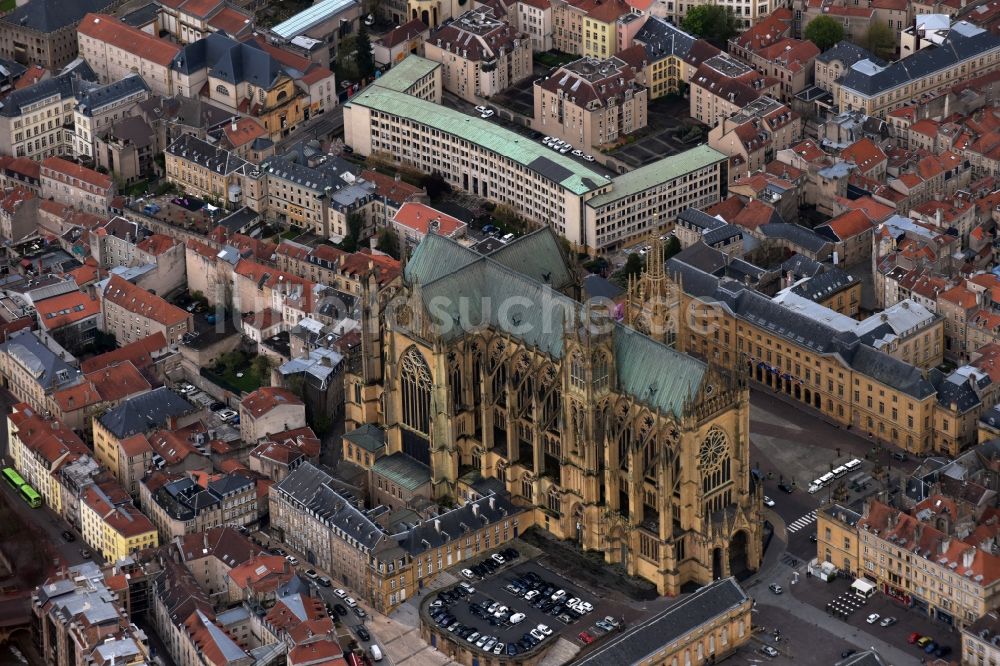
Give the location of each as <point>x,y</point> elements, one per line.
<point>577,371</point>
<point>415,380</point>
<point>601,364</point>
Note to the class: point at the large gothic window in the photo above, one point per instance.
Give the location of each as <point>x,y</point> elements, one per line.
<point>714,461</point>
<point>415,380</point>
<point>600,371</point>
<point>577,371</point>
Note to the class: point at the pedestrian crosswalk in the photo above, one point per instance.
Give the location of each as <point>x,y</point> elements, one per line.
<point>802,522</point>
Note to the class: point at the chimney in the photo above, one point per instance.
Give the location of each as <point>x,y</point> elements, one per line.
<point>945,545</point>
<point>968,557</point>
<point>234,124</point>
<point>437,525</point>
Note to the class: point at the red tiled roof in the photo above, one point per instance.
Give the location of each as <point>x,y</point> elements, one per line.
<point>48,438</point>
<point>231,21</point>
<point>865,154</point>
<point>403,33</point>
<point>156,244</point>
<point>850,224</point>
<point>959,295</point>
<point>767,31</point>
<point>138,353</point>
<point>66,309</point>
<point>67,168</point>
<point>34,74</point>
<point>264,399</point>
<point>243,131</point>
<point>108,29</point>
<point>138,301</point>
<point>808,151</point>
<point>877,212</point>
<point>123,518</point>
<point>419,217</point>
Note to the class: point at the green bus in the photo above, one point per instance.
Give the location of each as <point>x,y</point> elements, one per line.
<point>31,496</point>
<point>27,493</point>
<point>13,478</point>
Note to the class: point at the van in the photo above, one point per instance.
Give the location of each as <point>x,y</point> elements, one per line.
<point>852,465</point>
<point>839,472</point>
<point>375,652</point>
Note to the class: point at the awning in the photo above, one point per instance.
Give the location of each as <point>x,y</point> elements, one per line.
<point>862,586</point>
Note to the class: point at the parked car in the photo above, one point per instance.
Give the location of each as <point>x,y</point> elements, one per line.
<point>68,536</point>
<point>517,618</point>
<point>873,618</point>
<point>498,558</point>
<point>914,637</point>
<point>466,588</point>
<point>351,603</point>
<point>901,457</point>
<point>585,637</point>
<point>589,158</point>
<point>480,109</point>
<point>490,228</point>
<point>340,610</point>
<point>768,501</point>
<point>294,561</point>
<point>488,113</point>
<point>227,414</point>
<point>923,641</point>
<point>340,593</point>
<point>942,651</point>
<point>769,651</point>
<point>360,612</point>
<point>775,588</point>
<point>324,581</point>
<point>577,153</point>
<point>887,622</point>
<point>785,487</point>
<point>362,632</point>
<point>930,647</point>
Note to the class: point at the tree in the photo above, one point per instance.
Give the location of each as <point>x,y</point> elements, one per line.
<point>435,185</point>
<point>388,242</point>
<point>824,32</point>
<point>715,23</point>
<point>261,366</point>
<point>672,247</point>
<point>355,223</point>
<point>880,40</point>
<point>363,50</point>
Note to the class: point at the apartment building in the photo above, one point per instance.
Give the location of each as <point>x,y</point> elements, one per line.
<point>648,200</point>
<point>753,135</point>
<point>722,85</point>
<point>270,410</point>
<point>480,54</point>
<point>534,17</point>
<point>190,21</point>
<point>837,537</point>
<point>116,50</point>
<point>590,103</point>
<point>667,48</point>
<point>70,605</point>
<point>981,641</point>
<point>38,447</point>
<point>110,523</point>
<point>415,220</point>
<point>98,109</point>
<point>599,28</point>
<point>40,32</point>
<point>76,186</point>
<point>36,121</point>
<point>791,61</point>
<point>33,367</point>
<point>120,442</point>
<point>318,198</point>
<point>180,504</point>
<point>101,389</point>
<point>207,171</point>
<point>966,52</point>
<point>921,559</point>
<point>131,313</point>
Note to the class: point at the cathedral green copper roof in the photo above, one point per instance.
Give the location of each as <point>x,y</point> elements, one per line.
<point>463,291</point>
<point>405,74</point>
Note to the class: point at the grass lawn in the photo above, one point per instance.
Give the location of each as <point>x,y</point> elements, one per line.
<point>7,5</point>
<point>554,58</point>
<point>233,364</point>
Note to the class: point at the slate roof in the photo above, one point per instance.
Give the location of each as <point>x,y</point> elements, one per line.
<point>825,284</point>
<point>454,524</point>
<point>98,97</point>
<point>964,42</point>
<point>369,437</point>
<point>595,286</point>
<point>230,60</point>
<point>804,331</point>
<point>640,642</point>
<point>49,370</point>
<point>50,15</point>
<point>311,488</point>
<point>64,85</point>
<point>847,53</point>
<point>661,39</point>
<point>145,412</point>
<point>795,233</point>
<point>461,283</point>
<point>403,470</point>
<point>801,266</point>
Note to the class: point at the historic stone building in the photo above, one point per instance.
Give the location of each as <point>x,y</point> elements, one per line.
<point>489,366</point>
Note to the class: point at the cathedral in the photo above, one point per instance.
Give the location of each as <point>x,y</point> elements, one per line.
<point>490,367</point>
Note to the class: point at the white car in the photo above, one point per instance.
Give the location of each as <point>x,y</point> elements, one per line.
<point>577,153</point>
<point>291,559</point>
<point>873,618</point>
<point>226,414</point>
<point>558,594</point>
<point>531,595</point>
<point>500,611</point>
<point>589,158</point>
<point>351,603</point>
<point>768,501</point>
<point>769,651</point>
<point>547,140</point>
<point>537,634</point>
<point>340,593</point>
<point>480,109</point>
<point>468,574</point>
<point>488,113</point>
<point>498,558</point>
<point>813,489</point>
<point>584,607</point>
<point>517,617</point>
<point>544,629</point>
<point>565,149</point>
<point>468,588</point>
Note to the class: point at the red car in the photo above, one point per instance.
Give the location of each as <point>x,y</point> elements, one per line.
<point>586,638</point>
<point>914,637</point>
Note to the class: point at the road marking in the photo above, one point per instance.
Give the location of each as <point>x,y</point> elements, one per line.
<point>802,522</point>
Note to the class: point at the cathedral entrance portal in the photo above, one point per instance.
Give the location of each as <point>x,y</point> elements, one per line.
<point>738,555</point>
<point>717,571</point>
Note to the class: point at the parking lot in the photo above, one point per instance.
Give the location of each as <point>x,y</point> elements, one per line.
<point>471,618</point>
<point>668,120</point>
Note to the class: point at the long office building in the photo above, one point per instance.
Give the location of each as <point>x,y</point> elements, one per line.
<point>537,183</point>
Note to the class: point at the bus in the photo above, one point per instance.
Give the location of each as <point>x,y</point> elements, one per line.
<point>13,478</point>
<point>31,496</point>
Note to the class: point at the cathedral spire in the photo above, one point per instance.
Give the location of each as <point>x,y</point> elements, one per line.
<point>655,260</point>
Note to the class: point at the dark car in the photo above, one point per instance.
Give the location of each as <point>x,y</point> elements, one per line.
<point>786,487</point>
<point>68,536</point>
<point>362,632</point>
<point>511,554</point>
<point>340,610</point>
<point>901,457</point>
<point>216,406</point>
<point>943,651</point>
<point>360,612</point>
